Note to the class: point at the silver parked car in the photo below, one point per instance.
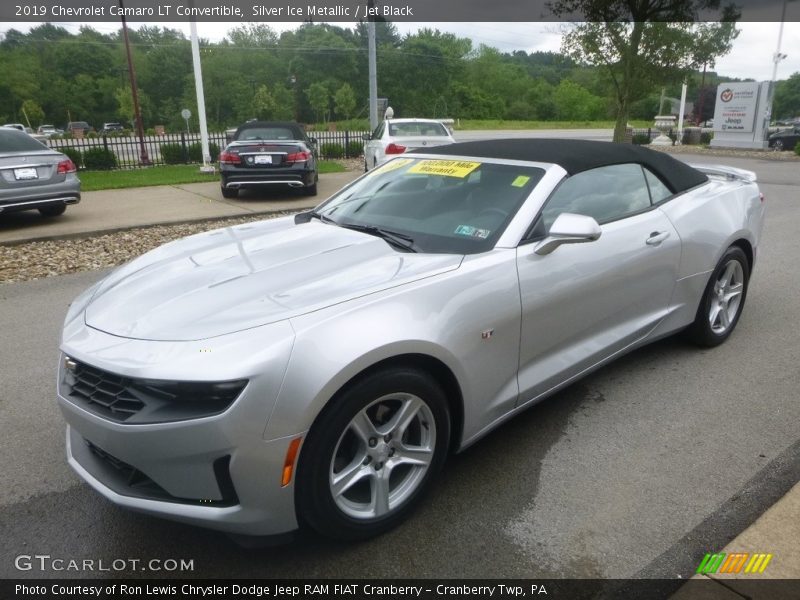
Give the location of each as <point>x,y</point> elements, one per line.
<point>32,176</point>
<point>318,369</point>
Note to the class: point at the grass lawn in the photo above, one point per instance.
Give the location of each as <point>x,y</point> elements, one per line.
<point>167,175</point>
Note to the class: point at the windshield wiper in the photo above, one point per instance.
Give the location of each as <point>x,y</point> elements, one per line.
<point>400,240</point>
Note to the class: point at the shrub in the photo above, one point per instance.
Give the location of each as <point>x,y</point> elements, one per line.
<point>355,149</point>
<point>706,137</point>
<point>74,155</point>
<point>641,139</point>
<point>149,131</point>
<point>332,150</point>
<point>67,135</point>
<point>797,149</point>
<point>173,154</point>
<point>195,151</point>
<point>100,159</point>
<point>91,135</point>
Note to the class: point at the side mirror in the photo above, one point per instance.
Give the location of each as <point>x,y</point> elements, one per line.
<point>569,228</point>
<point>366,137</point>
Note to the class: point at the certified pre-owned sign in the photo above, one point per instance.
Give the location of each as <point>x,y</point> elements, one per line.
<point>736,107</point>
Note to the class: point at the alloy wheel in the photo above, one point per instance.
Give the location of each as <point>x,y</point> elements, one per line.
<point>382,456</point>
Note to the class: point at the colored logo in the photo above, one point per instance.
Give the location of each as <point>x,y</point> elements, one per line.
<point>726,95</point>
<point>735,562</point>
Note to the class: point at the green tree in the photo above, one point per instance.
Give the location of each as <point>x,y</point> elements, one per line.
<point>319,100</point>
<point>125,105</point>
<point>787,98</point>
<point>263,103</point>
<point>33,112</point>
<point>640,44</point>
<point>344,100</point>
<point>574,103</point>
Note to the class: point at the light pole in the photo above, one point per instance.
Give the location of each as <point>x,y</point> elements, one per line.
<point>776,58</point>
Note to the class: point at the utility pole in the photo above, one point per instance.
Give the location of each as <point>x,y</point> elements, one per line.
<point>373,71</point>
<point>144,159</point>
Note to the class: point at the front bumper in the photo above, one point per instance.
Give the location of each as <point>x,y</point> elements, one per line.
<point>216,471</point>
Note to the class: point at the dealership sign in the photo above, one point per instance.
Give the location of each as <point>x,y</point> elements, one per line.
<point>736,105</point>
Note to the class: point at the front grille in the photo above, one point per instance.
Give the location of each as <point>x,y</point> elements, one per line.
<point>130,481</point>
<point>106,393</point>
<point>131,476</point>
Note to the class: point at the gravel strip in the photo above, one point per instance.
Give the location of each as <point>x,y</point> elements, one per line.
<point>37,260</point>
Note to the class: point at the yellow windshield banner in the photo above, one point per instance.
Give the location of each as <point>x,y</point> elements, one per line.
<point>397,163</point>
<point>445,168</point>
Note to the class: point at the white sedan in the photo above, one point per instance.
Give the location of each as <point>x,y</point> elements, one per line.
<point>395,136</point>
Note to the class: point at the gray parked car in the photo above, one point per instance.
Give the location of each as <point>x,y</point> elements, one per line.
<point>32,176</point>
<point>318,369</point>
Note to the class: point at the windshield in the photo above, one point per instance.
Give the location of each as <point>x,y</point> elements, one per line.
<point>417,129</point>
<point>266,133</point>
<point>12,140</point>
<point>443,205</point>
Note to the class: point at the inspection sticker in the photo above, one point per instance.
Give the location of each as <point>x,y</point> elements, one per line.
<point>397,163</point>
<point>446,168</point>
<point>470,231</point>
<point>520,181</point>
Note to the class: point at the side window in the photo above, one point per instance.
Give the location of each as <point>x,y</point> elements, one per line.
<point>658,191</point>
<point>605,193</point>
<point>378,133</point>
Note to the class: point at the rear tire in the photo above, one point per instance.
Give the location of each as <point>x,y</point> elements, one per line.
<point>778,147</point>
<point>310,190</point>
<point>372,454</point>
<point>723,300</point>
<point>53,211</point>
<point>229,192</point>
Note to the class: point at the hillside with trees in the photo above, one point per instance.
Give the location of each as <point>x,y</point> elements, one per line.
<point>317,73</point>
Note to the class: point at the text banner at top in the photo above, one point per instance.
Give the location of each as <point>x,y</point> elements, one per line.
<point>343,11</point>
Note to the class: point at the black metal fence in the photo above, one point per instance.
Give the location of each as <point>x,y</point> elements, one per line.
<point>184,148</point>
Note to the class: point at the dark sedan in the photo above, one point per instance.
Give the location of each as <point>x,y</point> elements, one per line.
<point>786,139</point>
<point>265,153</point>
<point>32,176</point>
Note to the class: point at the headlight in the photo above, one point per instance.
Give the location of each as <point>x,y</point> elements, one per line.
<point>136,401</point>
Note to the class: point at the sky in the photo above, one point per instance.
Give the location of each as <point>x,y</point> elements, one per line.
<point>750,58</point>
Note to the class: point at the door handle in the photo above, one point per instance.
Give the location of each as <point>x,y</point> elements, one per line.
<point>657,237</point>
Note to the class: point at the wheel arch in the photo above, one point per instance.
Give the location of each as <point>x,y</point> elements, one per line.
<point>747,248</point>
<point>428,364</point>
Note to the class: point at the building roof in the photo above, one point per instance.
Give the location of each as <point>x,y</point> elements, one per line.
<point>575,156</point>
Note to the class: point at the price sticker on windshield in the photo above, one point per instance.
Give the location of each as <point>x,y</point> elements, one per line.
<point>445,168</point>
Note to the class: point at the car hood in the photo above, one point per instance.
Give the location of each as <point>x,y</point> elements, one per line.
<point>240,277</point>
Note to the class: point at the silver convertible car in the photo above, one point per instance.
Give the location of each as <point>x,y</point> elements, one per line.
<point>316,370</point>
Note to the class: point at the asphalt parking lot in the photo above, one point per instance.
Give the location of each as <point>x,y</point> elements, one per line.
<point>637,470</point>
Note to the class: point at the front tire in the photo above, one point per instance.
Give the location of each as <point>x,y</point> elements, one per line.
<point>723,300</point>
<point>372,454</point>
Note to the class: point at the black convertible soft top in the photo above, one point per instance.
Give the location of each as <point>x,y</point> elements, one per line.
<point>579,155</point>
